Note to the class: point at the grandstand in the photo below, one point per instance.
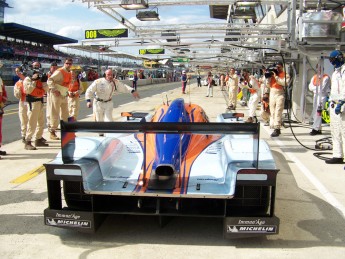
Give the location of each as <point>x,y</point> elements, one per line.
<point>20,43</point>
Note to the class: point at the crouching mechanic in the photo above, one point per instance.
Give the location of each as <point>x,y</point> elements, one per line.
<point>101,91</point>
<point>337,101</point>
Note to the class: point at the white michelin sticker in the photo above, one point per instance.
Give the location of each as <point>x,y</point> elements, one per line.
<point>68,223</point>
<point>250,229</point>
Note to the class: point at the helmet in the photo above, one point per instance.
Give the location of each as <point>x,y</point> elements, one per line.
<point>336,58</point>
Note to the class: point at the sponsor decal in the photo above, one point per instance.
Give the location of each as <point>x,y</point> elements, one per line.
<point>68,220</point>
<point>251,222</point>
<point>106,33</point>
<point>250,229</point>
<point>251,226</point>
<point>151,51</point>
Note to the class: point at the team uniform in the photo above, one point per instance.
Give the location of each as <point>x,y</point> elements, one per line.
<point>74,92</point>
<point>59,81</point>
<point>253,87</point>
<point>277,100</point>
<point>232,85</point>
<point>34,90</point>
<point>321,92</point>
<point>19,93</point>
<point>337,124</point>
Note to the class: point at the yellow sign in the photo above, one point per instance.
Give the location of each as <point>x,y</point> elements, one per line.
<point>151,51</point>
<point>106,33</point>
<point>150,63</point>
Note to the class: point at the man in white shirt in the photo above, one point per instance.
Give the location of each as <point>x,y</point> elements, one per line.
<point>101,91</point>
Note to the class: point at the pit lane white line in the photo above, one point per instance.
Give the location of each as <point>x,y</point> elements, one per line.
<point>317,184</point>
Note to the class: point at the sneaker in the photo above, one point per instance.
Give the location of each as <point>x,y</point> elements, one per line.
<point>335,160</point>
<point>206,96</point>
<point>315,132</point>
<point>275,133</point>
<point>43,139</point>
<point>2,153</point>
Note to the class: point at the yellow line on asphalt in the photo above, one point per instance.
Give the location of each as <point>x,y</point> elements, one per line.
<point>29,175</point>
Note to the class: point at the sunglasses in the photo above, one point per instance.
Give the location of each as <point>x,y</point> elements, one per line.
<point>68,63</point>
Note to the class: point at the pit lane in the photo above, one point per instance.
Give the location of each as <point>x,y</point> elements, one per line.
<point>310,225</point>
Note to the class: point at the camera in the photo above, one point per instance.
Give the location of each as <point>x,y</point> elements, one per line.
<point>27,70</point>
<point>269,72</point>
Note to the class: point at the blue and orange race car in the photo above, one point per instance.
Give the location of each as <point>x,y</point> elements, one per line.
<point>170,163</point>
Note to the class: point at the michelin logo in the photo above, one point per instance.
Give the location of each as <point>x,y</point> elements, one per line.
<point>68,223</point>
<point>251,229</point>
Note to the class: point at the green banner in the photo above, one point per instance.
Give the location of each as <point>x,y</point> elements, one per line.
<point>181,60</point>
<point>106,33</point>
<point>151,51</point>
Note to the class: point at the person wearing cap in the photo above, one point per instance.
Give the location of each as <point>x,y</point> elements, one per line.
<point>58,84</point>
<point>320,85</point>
<point>52,69</point>
<point>337,101</point>
<point>184,80</point>
<point>277,83</point>
<point>210,83</point>
<point>35,89</point>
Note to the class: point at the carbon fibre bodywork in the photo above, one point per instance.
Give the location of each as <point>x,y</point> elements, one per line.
<point>172,163</point>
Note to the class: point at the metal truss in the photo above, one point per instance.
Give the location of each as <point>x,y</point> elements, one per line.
<point>202,40</point>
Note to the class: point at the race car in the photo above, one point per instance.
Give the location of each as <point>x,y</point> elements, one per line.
<point>174,162</point>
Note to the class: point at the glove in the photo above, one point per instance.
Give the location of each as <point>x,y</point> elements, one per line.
<point>337,109</point>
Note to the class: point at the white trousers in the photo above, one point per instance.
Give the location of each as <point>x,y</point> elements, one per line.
<point>337,126</point>
<point>103,111</point>
<point>253,104</point>
<point>209,91</point>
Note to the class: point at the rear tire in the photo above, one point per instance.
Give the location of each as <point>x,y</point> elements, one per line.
<point>75,197</point>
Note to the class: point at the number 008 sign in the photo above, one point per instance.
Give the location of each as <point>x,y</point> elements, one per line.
<point>106,33</point>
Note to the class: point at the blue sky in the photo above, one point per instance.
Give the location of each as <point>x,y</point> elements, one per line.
<point>71,19</point>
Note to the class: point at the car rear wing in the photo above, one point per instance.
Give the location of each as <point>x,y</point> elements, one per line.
<point>68,130</point>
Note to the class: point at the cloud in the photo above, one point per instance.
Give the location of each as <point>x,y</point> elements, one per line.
<point>74,32</point>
